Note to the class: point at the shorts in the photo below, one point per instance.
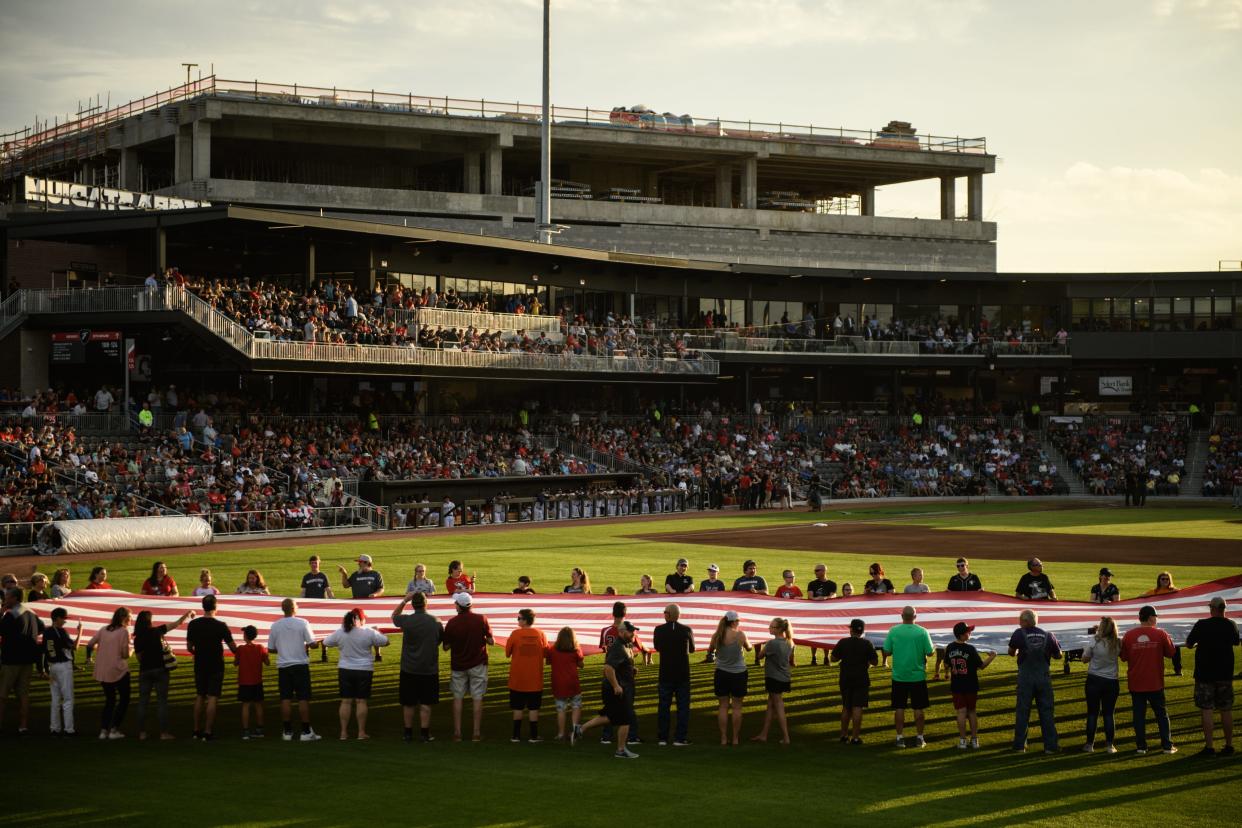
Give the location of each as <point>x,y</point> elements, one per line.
<point>525,700</point>
<point>617,708</point>
<point>776,685</point>
<point>250,692</point>
<point>294,682</point>
<point>855,695</point>
<point>15,678</point>
<point>472,682</point>
<point>208,682</point>
<point>965,701</point>
<point>1214,695</point>
<point>911,694</point>
<point>569,703</point>
<point>729,685</point>
<point>418,689</point>
<point>354,684</point>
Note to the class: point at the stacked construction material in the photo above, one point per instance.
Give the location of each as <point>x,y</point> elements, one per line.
<point>628,194</point>
<point>785,200</point>
<point>563,189</point>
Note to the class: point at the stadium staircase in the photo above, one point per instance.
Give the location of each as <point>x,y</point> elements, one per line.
<point>1196,463</point>
<point>1064,472</point>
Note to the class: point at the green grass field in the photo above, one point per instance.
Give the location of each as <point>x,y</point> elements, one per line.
<point>497,783</point>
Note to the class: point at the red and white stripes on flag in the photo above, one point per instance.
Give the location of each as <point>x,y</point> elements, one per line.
<point>821,623</point>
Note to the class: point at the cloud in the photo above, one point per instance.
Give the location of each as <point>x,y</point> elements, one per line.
<point>1221,15</point>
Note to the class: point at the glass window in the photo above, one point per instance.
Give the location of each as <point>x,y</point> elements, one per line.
<point>1223,316</point>
<point>1183,319</point>
<point>1079,314</point>
<point>1101,314</point>
<point>1142,314</point>
<point>1161,314</point>
<point>1122,308</point>
<point>1203,313</point>
<point>725,312</point>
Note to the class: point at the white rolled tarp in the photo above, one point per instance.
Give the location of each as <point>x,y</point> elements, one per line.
<point>77,537</point>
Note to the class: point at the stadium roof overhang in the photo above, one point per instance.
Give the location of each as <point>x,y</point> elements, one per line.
<point>378,238</point>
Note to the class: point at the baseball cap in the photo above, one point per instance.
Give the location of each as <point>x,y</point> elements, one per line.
<point>731,616</point>
<point>364,559</point>
<point>1034,562</point>
<point>1106,571</point>
<point>626,625</point>
<point>682,562</point>
<point>713,568</point>
<point>858,625</point>
<point>463,599</point>
<point>960,628</point>
<point>1147,612</point>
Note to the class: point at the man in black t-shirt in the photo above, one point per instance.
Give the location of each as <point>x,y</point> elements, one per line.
<point>856,655</point>
<point>674,642</point>
<point>751,581</point>
<point>679,582</point>
<point>963,664</point>
<point>366,582</point>
<point>1215,637</point>
<point>1035,585</point>
<point>205,638</point>
<point>964,580</point>
<point>315,583</point>
<point>821,589</point>
<point>617,690</point>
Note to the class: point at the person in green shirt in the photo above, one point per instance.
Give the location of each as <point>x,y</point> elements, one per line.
<point>909,645</point>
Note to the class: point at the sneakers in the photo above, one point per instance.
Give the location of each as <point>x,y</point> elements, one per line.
<point>428,738</point>
<point>919,742</point>
<point>534,740</point>
<point>663,743</point>
<point>575,735</point>
<point>900,742</point>
<point>604,740</point>
<point>634,740</point>
<point>1223,752</point>
<point>1111,748</point>
<point>1141,751</point>
<point>408,738</point>
<point>287,735</point>
<point>856,741</point>
<point>310,736</point>
<point>514,739</point>
<point>209,737</point>
<point>103,735</point>
<point>256,733</point>
<point>116,734</point>
<point>1207,753</point>
<point>625,753</point>
<point>961,744</point>
<point>1170,750</point>
<point>974,744</point>
<point>1089,747</point>
<point>686,743</point>
<point>245,735</point>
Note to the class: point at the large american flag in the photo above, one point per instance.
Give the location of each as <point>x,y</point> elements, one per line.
<point>821,623</point>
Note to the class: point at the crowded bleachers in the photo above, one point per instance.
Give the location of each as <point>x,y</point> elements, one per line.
<point>1222,473</point>
<point>1103,451</point>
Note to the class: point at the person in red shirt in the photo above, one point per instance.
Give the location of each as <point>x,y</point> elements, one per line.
<point>788,589</point>
<point>566,659</point>
<point>458,580</point>
<point>160,583</point>
<point>251,659</point>
<point>99,579</point>
<point>1144,649</point>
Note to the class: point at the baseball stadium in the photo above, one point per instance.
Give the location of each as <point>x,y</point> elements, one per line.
<point>542,373</point>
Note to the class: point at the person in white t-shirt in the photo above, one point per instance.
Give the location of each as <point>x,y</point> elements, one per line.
<point>103,399</point>
<point>289,639</point>
<point>356,667</point>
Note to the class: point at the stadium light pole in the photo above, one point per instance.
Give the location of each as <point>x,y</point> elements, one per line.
<point>543,200</point>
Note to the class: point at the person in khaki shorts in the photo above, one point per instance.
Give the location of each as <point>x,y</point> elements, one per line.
<point>466,638</point>
<point>1214,639</point>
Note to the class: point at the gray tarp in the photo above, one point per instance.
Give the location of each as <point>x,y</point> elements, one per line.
<point>76,537</point>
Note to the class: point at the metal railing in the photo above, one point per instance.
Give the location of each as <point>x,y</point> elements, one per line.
<point>171,297</point>
<point>278,521</point>
<point>487,320</point>
<point>16,144</point>
<point>20,535</point>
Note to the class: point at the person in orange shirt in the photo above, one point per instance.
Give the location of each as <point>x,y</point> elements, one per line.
<point>526,648</point>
